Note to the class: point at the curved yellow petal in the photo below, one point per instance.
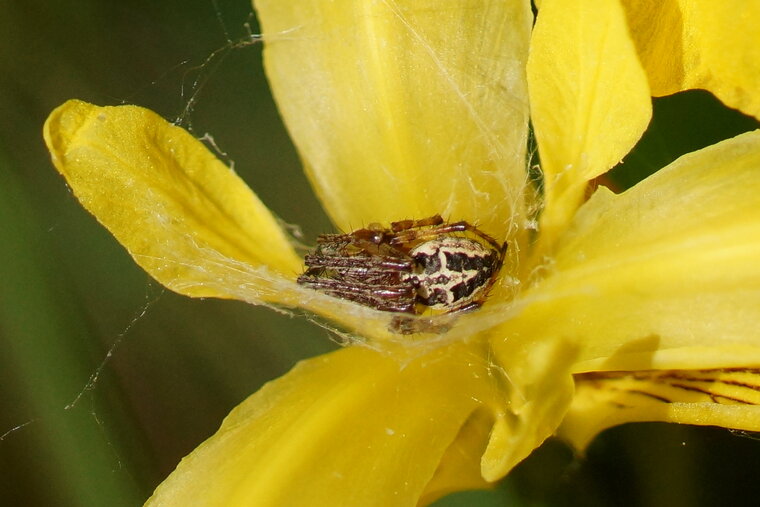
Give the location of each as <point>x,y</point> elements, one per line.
<point>404,109</point>
<point>185,217</point>
<point>657,29</point>
<point>460,467</point>
<point>353,427</point>
<point>540,389</point>
<point>663,276</point>
<point>727,398</point>
<point>686,44</point>
<point>589,99</point>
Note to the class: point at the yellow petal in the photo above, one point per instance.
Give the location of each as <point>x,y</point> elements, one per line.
<point>186,218</point>
<point>727,398</point>
<point>686,44</point>
<point>665,275</point>
<point>353,427</point>
<point>658,30</point>
<point>460,467</point>
<point>540,386</point>
<point>405,109</point>
<point>589,99</point>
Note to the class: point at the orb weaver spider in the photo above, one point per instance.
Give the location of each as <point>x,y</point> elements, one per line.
<point>409,268</point>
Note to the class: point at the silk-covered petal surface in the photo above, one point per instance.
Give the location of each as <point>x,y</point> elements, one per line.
<point>685,44</point>
<point>187,219</point>
<point>426,112</point>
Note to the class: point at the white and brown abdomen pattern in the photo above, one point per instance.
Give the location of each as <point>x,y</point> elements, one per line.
<point>450,272</point>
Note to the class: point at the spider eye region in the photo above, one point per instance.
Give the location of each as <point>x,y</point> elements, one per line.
<point>413,266</point>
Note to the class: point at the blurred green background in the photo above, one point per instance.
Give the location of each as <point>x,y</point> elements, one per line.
<point>107,380</point>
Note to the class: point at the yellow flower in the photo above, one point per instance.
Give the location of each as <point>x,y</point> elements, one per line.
<point>638,306</point>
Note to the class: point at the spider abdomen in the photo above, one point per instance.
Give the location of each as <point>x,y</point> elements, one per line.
<point>450,271</point>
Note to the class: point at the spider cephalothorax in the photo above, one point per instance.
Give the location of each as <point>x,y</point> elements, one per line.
<point>410,267</point>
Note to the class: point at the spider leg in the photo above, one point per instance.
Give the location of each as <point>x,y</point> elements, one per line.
<point>383,297</point>
<point>403,225</point>
<point>466,226</point>
<point>357,263</point>
<point>345,254</point>
<point>405,236</point>
<point>405,324</point>
<point>364,240</point>
<point>472,305</point>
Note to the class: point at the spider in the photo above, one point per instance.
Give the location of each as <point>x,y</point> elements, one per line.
<point>413,266</point>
